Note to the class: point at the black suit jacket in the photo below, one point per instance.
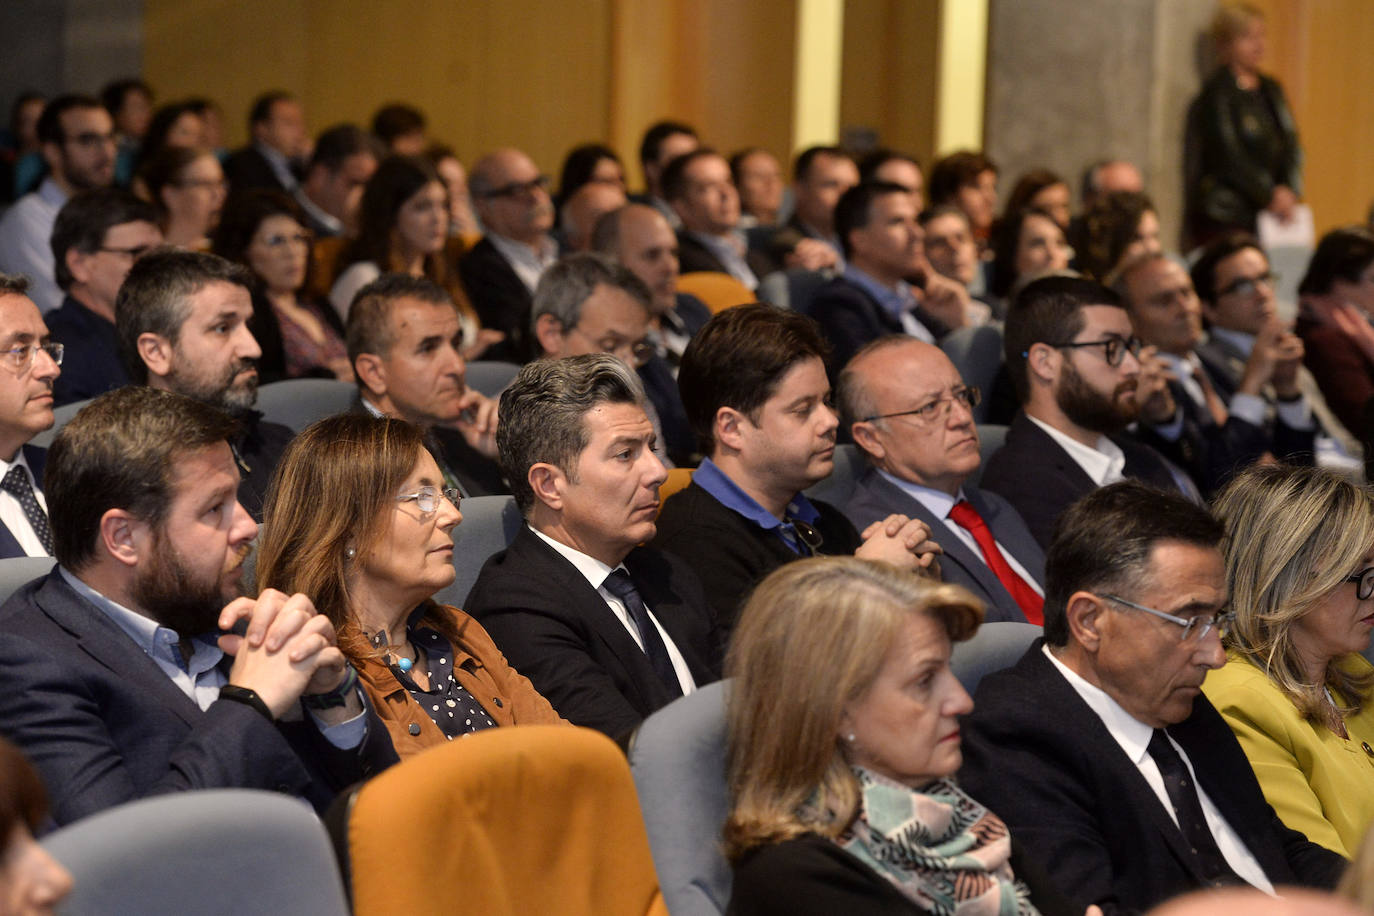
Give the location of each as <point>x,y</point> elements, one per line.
<point>246,168</point>
<point>1040,480</point>
<point>851,318</point>
<point>1040,758</point>
<point>876,498</point>
<point>501,299</point>
<point>258,447</point>
<point>694,257</point>
<point>556,630</point>
<point>36,458</point>
<point>105,725</point>
<point>90,363</point>
<point>477,474</point>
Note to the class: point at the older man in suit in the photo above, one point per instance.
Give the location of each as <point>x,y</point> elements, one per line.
<point>911,414</point>
<point>607,631</point>
<point>1098,748</point>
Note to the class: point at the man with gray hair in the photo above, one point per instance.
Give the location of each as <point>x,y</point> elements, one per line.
<point>182,321</point>
<point>608,631</point>
<point>587,304</point>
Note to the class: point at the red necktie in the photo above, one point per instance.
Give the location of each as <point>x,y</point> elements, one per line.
<point>967,517</point>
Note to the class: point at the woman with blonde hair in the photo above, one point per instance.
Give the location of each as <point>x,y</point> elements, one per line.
<point>1295,690</point>
<point>358,518</point>
<point>843,743</point>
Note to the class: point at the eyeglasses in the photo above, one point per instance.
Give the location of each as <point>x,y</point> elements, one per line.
<point>21,358</point>
<point>641,351</point>
<point>1247,286</point>
<point>938,409</point>
<point>1114,347</point>
<point>427,498</point>
<point>92,139</point>
<point>1365,578</point>
<point>518,188</point>
<point>135,252</point>
<point>1193,627</point>
<point>281,239</point>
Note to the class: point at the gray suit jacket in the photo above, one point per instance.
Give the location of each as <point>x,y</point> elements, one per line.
<point>875,498</point>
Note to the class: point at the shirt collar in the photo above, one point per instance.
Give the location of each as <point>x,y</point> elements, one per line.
<point>714,481</point>
<point>329,221</point>
<point>1132,734</point>
<point>937,502</point>
<point>540,256</point>
<point>894,299</point>
<point>154,639</point>
<point>1104,463</point>
<point>592,569</point>
<point>1239,339</point>
<point>51,192</point>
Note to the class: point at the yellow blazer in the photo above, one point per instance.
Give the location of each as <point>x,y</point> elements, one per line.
<point>1318,782</point>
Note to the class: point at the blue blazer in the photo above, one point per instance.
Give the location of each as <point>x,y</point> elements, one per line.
<point>36,458</point>
<point>105,725</point>
<point>876,498</point>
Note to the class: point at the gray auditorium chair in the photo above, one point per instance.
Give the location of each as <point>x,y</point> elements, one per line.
<point>793,288</point>
<point>491,376</point>
<point>995,646</point>
<point>60,417</point>
<point>220,852</point>
<point>298,402</point>
<point>839,486</point>
<point>990,439</point>
<point>977,354</point>
<point>15,571</point>
<point>489,524</point>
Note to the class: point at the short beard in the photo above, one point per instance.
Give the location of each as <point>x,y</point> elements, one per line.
<point>169,593</point>
<point>1091,410</point>
<point>221,392</point>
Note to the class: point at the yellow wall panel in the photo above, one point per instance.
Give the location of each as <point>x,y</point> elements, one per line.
<point>890,71</point>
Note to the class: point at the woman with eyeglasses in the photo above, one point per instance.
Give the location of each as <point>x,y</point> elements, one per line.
<point>265,231</point>
<point>1296,691</point>
<point>187,187</point>
<point>358,518</point>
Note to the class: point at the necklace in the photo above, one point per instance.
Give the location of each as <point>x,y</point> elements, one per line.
<point>394,655</point>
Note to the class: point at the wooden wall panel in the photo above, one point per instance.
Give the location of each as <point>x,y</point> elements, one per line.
<point>890,70</point>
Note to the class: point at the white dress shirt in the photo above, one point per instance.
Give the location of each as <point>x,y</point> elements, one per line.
<point>1104,463</point>
<point>528,263</point>
<point>12,514</point>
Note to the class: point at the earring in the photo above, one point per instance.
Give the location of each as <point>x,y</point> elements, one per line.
<point>350,553</point>
<point>849,737</point>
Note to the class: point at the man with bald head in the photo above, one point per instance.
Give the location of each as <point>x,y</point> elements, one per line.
<point>912,416</point>
<point>581,211</point>
<point>640,238</point>
<point>502,270</point>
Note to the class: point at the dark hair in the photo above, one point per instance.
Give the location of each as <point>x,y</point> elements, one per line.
<point>121,451</point>
<point>540,419</point>
<point>1342,254</point>
<point>397,120</point>
<point>656,134</point>
<point>397,179</point>
<point>244,212</point>
<point>114,93</point>
<point>14,285</point>
<point>738,359</point>
<point>1204,272</point>
<point>23,799</point>
<point>369,316</point>
<point>567,285</point>
<point>737,161</point>
<point>20,101</point>
<point>1104,541</point>
<point>933,213</point>
<point>1048,310</point>
<point>159,126</point>
<point>261,112</point>
<point>85,218</point>
<point>674,177</point>
<point>165,169</point>
<point>49,127</point>
<point>855,208</point>
<point>955,171</point>
<point>802,167</point>
<point>335,145</point>
<point>876,159</point>
<point>1029,185</point>
<point>1108,228</point>
<point>579,165</point>
<point>1005,240</point>
<point>153,299</point>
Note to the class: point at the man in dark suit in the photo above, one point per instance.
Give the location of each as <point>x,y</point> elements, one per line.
<point>98,236</point>
<point>911,414</point>
<point>607,631</point>
<point>1217,429</point>
<point>808,239</point>
<point>344,158</point>
<point>119,677</point>
<point>1081,379</point>
<point>182,320</point>
<point>884,246</point>
<point>274,158</point>
<point>1098,748</point>
<point>502,270</point>
<point>702,193</point>
<point>30,365</point>
<point>404,340</point>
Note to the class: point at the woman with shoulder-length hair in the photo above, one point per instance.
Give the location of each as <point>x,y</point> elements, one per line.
<point>1295,690</point>
<point>842,723</point>
<point>358,518</point>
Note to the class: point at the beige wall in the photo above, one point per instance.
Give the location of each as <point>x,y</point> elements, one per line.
<point>890,66</point>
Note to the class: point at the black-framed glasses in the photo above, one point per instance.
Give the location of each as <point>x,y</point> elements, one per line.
<point>1365,578</point>
<point>1114,347</point>
<point>1193,627</point>
<point>1247,286</point>
<point>519,188</point>
<point>20,358</point>
<point>427,498</point>
<point>937,409</point>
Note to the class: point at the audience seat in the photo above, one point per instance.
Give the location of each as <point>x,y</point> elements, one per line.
<point>995,646</point>
<point>211,852</point>
<point>326,256</point>
<point>60,417</point>
<point>506,822</point>
<point>298,402</point>
<point>839,486</point>
<point>793,288</point>
<point>489,524</point>
<point>491,376</point>
<point>15,571</point>
<point>719,291</point>
<point>977,353</point>
<point>990,439</point>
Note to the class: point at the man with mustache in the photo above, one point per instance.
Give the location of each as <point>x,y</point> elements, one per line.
<point>122,673</point>
<point>1082,379</point>
<point>183,323</point>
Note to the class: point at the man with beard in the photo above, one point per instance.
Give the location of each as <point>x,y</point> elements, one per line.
<point>1081,378</point>
<point>119,674</point>
<point>182,320</point>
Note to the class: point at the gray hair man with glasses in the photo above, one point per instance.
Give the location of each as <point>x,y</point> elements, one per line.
<point>29,364</point>
<point>912,415</point>
<point>1081,378</point>
<point>1098,748</point>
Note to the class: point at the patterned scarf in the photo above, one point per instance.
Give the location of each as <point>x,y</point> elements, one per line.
<point>940,848</point>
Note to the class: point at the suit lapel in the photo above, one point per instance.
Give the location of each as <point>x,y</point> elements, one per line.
<point>671,612</point>
<point>1039,442</point>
